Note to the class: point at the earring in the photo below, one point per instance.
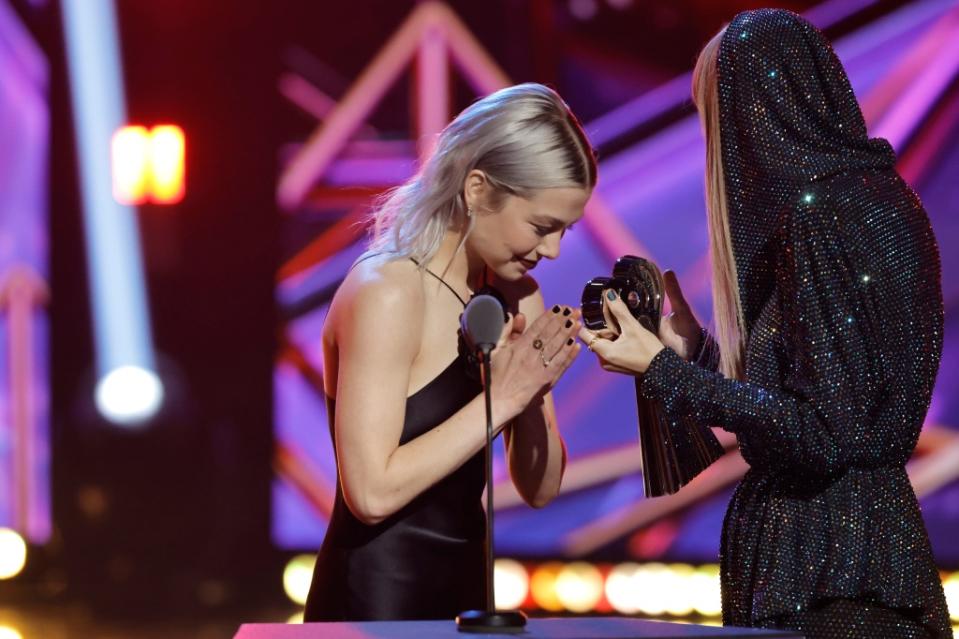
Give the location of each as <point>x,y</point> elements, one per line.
<point>469,211</point>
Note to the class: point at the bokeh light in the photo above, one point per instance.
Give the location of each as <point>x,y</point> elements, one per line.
<point>678,599</point>
<point>620,591</point>
<point>543,586</point>
<point>951,586</point>
<point>511,584</point>
<point>13,553</point>
<point>129,395</point>
<point>651,596</point>
<point>704,591</point>
<point>297,577</point>
<point>130,154</point>
<point>167,152</point>
<point>296,617</point>
<point>579,586</point>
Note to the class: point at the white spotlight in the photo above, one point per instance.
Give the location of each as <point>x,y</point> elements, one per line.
<point>129,395</point>
<point>13,553</point>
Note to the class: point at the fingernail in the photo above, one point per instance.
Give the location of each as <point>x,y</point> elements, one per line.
<point>567,311</point>
<point>569,342</point>
<point>611,295</point>
<point>556,309</point>
<point>569,323</point>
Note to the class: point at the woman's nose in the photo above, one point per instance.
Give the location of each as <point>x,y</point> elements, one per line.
<point>549,248</point>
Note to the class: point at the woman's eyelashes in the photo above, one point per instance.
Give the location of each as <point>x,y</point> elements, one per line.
<point>543,231</point>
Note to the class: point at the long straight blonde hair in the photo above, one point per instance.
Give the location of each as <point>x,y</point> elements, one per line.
<point>727,307</point>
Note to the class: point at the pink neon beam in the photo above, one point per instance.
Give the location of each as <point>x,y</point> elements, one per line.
<point>22,291</point>
<point>427,21</point>
<point>921,94</point>
<point>928,143</point>
<point>432,88</point>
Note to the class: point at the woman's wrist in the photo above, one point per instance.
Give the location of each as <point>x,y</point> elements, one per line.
<point>654,379</point>
<point>653,358</point>
<point>504,411</point>
<point>697,350</point>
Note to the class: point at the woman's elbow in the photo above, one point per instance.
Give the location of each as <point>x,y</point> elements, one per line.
<point>368,507</point>
<point>540,501</point>
<point>540,498</point>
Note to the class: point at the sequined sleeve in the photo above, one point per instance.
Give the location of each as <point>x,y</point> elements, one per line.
<point>818,421</point>
<point>707,352</point>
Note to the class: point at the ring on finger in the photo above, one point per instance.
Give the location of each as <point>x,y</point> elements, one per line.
<point>538,344</point>
<point>546,362</point>
<point>590,345</point>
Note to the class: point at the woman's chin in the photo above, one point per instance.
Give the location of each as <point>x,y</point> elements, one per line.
<point>511,271</point>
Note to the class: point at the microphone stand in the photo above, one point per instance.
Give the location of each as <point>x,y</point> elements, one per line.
<point>490,620</point>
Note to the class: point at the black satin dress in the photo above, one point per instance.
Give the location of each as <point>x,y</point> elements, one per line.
<point>839,278</point>
<point>427,560</point>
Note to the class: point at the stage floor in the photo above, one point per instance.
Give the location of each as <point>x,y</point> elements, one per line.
<point>557,628</point>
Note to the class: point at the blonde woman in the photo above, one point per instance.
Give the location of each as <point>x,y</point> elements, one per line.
<point>828,312</point>
<point>509,176</point>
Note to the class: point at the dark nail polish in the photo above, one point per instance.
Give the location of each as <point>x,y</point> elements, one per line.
<point>611,295</point>
<point>567,311</point>
<point>556,309</point>
<point>569,323</point>
<point>569,342</point>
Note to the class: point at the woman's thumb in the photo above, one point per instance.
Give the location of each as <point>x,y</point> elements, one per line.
<point>673,291</point>
<point>617,307</point>
<point>519,325</point>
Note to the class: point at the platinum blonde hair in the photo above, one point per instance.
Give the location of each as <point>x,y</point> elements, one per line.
<point>727,307</point>
<point>523,138</point>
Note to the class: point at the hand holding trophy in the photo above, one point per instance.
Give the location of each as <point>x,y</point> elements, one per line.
<point>673,454</point>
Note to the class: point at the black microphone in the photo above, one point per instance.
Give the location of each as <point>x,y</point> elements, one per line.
<point>482,324</point>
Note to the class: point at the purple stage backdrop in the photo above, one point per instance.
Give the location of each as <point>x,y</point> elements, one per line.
<point>902,66</point>
<point>24,366</point>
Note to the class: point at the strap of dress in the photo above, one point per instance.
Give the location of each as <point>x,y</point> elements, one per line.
<point>452,290</point>
<point>363,259</point>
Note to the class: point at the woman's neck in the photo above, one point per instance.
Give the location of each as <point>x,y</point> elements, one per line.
<point>461,268</point>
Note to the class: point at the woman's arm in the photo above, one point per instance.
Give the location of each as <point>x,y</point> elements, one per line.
<point>535,450</point>
<point>378,318</point>
<point>825,417</point>
<point>681,331</point>
<point>378,476</point>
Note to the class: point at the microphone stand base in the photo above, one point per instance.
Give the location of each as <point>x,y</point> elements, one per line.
<point>498,622</point>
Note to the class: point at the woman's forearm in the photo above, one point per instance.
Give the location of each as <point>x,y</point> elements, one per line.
<point>536,454</point>
<point>417,465</point>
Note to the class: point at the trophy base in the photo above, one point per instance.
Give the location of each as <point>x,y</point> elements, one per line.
<point>498,622</point>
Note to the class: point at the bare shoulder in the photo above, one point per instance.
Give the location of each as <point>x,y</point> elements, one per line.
<point>381,292</point>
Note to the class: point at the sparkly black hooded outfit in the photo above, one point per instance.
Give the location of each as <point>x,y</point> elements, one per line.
<point>839,278</point>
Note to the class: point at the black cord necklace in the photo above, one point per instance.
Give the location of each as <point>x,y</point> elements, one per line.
<point>444,282</point>
<point>472,363</point>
